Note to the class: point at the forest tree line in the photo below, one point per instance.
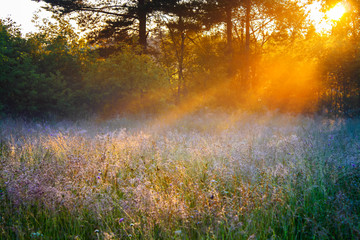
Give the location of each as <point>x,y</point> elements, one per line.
<point>151,56</point>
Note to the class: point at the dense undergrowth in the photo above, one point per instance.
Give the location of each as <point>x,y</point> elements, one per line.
<point>215,176</point>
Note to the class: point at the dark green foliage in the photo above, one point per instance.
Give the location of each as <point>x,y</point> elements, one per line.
<point>20,82</point>
<point>52,74</point>
<point>341,78</point>
<point>124,81</point>
<point>229,54</point>
<point>34,222</point>
<point>38,78</point>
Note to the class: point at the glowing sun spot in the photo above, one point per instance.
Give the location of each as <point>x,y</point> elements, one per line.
<point>324,22</point>
<point>336,12</point>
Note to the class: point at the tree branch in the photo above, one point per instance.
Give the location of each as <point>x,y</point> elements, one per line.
<point>87,9</point>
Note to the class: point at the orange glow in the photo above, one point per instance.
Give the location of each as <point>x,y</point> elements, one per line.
<point>285,85</point>
<point>336,12</point>
<point>324,22</point>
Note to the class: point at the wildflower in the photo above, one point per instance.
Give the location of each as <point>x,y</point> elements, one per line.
<point>121,220</point>
<point>98,177</point>
<point>252,237</point>
<point>96,231</point>
<point>131,224</point>
<point>129,235</point>
<point>178,232</point>
<point>36,234</point>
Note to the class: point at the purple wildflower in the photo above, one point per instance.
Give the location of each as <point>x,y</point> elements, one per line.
<point>121,220</point>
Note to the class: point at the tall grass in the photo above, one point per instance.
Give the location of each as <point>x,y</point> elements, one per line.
<point>215,176</point>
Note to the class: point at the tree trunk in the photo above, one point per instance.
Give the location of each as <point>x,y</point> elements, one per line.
<point>246,82</point>
<point>229,27</point>
<point>142,23</point>
<point>181,82</point>
<point>181,63</point>
<point>229,38</point>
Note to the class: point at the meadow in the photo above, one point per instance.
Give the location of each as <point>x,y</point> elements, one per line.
<point>202,176</point>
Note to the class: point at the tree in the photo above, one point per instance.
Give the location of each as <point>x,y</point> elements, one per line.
<point>181,21</point>
<point>126,81</point>
<point>24,89</point>
<point>116,18</point>
<point>340,95</point>
<point>269,24</point>
<point>221,11</point>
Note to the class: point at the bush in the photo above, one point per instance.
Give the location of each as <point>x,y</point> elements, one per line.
<point>125,82</point>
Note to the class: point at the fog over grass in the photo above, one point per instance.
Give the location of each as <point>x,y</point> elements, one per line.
<point>208,176</point>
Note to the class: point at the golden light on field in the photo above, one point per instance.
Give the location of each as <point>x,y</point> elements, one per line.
<point>324,21</point>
